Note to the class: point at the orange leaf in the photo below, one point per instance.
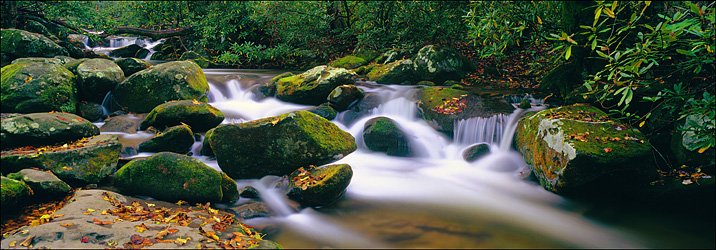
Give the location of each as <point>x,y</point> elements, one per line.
<point>28,241</point>
<point>66,224</point>
<point>99,222</point>
<point>607,150</point>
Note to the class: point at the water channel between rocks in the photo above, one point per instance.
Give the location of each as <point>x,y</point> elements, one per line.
<point>432,200</point>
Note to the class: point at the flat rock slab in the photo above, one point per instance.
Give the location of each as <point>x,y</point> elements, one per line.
<point>89,221</point>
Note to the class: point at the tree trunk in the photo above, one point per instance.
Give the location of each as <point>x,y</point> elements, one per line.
<point>183,31</point>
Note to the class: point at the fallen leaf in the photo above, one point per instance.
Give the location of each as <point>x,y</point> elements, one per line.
<point>12,244</point>
<point>66,224</point>
<point>99,222</point>
<point>607,150</point>
<point>141,228</point>
<point>181,241</point>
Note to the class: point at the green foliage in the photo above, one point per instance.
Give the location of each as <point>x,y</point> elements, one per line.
<point>498,25</point>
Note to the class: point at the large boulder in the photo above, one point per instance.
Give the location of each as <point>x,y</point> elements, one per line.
<point>172,177</point>
<point>89,160</point>
<point>199,116</point>
<point>14,193</point>
<point>146,89</point>
<point>349,62</point>
<point>343,96</point>
<point>37,87</point>
<point>41,182</point>
<point>126,51</point>
<point>568,147</point>
<point>20,43</point>
<point>269,88</point>
<point>440,63</point>
<point>319,186</point>
<point>45,129</point>
<point>96,77</point>
<point>398,72</point>
<point>313,86</point>
<point>381,134</point>
<point>27,60</point>
<point>177,139</point>
<point>441,107</point>
<point>278,145</point>
<point>132,65</point>
<point>392,55</point>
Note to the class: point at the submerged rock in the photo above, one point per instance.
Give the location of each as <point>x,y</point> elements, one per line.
<point>570,146</point>
<point>278,145</point>
<point>37,87</point>
<point>41,182</point>
<point>381,134</point>
<point>146,89</point>
<point>45,129</point>
<point>89,160</point>
<point>177,139</point>
<point>199,116</point>
<point>475,152</point>
<point>313,86</point>
<point>319,186</point>
<point>172,177</point>
<point>441,107</point>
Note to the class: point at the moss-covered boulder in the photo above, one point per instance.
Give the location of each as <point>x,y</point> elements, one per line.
<point>324,110</point>
<point>440,63</point>
<point>269,88</point>
<point>199,116</point>
<point>392,55</point>
<point>14,193</point>
<point>278,145</point>
<point>684,146</point>
<point>398,72</point>
<point>41,182</point>
<point>343,96</point>
<point>349,62</point>
<point>205,145</point>
<point>96,77</point>
<point>441,107</point>
<point>146,89</point>
<point>90,110</point>
<point>89,160</point>
<point>27,60</point>
<point>126,51</point>
<point>20,43</point>
<point>570,146</point>
<point>132,65</point>
<point>37,87</point>
<point>171,177</point>
<point>177,139</point>
<point>313,86</point>
<point>319,186</point>
<point>45,129</point>
<point>475,152</point>
<point>381,134</point>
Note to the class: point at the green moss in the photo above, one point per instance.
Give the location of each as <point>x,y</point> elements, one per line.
<point>229,190</point>
<point>14,192</point>
<point>349,62</point>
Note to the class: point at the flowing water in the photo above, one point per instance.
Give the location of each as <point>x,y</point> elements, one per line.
<point>116,42</point>
<point>434,199</point>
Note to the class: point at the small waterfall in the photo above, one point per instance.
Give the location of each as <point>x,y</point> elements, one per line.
<point>108,104</point>
<point>150,46</point>
<point>122,41</point>
<point>478,129</point>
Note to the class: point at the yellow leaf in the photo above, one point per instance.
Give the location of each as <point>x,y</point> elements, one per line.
<point>641,124</point>
<point>141,228</point>
<point>702,150</point>
<point>89,209</point>
<point>539,20</point>
<point>181,241</point>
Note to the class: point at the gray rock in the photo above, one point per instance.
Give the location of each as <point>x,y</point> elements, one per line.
<point>41,182</point>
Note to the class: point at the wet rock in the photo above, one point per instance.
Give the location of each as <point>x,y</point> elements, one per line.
<point>146,89</point>
<point>343,96</point>
<point>440,63</point>
<point>126,51</point>
<point>172,177</point>
<point>41,182</point>
<point>14,193</point>
<point>381,134</point>
<point>177,139</point>
<point>249,192</point>
<point>89,160</point>
<point>46,129</point>
<point>37,87</point>
<point>319,186</point>
<point>121,123</point>
<point>475,152</point>
<point>525,104</point>
<point>90,110</point>
<point>398,72</point>
<point>132,65</point>
<point>96,77</point>
<point>570,146</point>
<point>324,110</point>
<point>278,145</point>
<point>361,109</point>
<point>252,209</point>
<point>441,107</point>
<point>313,86</point>
<point>269,89</point>
<point>20,43</point>
<point>199,116</point>
<point>205,145</point>
<point>82,232</point>
<point>128,151</point>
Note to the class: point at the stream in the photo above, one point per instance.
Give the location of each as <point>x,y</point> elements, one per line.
<point>434,199</point>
